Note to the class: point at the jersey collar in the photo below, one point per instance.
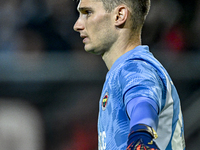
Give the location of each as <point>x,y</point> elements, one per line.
<point>129,55</point>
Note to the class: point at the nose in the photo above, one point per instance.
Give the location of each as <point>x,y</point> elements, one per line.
<point>78,26</point>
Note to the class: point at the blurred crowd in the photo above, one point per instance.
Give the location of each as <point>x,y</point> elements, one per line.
<point>38,25</point>
<point>43,26</point>
<point>173,25</point>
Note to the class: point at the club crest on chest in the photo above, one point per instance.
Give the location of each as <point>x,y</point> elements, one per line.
<point>105,101</point>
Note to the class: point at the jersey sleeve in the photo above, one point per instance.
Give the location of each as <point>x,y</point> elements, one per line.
<point>140,79</point>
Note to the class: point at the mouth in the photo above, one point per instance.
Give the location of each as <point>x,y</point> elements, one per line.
<point>84,38</point>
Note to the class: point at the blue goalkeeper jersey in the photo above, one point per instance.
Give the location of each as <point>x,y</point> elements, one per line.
<point>138,74</point>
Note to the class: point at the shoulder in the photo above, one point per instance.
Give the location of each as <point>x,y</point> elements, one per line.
<point>137,67</point>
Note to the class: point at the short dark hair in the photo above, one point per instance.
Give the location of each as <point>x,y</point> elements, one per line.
<point>139,9</point>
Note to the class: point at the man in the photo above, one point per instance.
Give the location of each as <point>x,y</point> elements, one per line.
<point>139,100</point>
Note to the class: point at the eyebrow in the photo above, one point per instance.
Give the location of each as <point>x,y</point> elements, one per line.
<point>80,9</point>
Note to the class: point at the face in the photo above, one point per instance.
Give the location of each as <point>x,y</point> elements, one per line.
<point>95,26</point>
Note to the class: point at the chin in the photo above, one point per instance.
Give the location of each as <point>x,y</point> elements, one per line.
<point>89,50</point>
<point>93,50</point>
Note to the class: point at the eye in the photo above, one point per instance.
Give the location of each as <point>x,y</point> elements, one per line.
<point>88,12</point>
<point>85,11</point>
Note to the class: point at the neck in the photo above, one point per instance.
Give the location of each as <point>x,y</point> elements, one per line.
<point>121,46</point>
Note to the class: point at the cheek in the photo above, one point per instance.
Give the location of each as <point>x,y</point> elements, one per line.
<point>100,27</point>
<point>100,21</point>
<point>103,22</point>
<point>94,26</point>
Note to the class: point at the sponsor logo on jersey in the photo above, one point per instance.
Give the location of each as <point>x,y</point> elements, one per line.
<point>105,101</point>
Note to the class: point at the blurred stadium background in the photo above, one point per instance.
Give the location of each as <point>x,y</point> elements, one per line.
<point>50,88</point>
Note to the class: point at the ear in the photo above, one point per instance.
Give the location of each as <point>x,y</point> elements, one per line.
<point>121,15</point>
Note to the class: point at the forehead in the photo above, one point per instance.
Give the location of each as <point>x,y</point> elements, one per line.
<point>89,3</point>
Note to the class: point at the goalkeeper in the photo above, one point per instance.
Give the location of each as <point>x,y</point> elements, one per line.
<point>139,107</point>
